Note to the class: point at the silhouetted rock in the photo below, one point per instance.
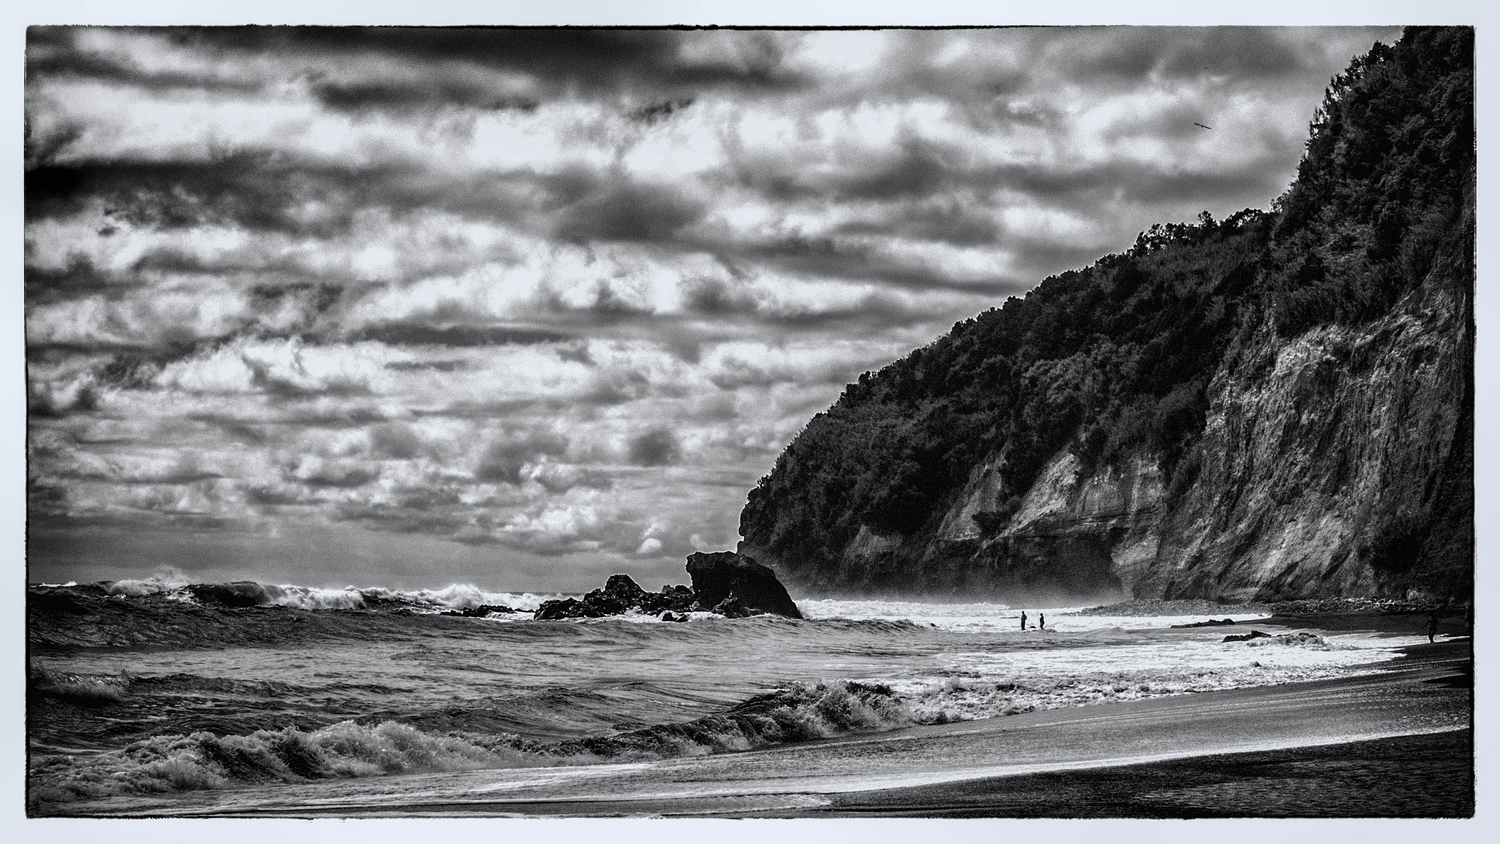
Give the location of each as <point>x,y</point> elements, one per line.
<point>719,575</point>
<point>565,608</point>
<point>677,599</point>
<point>732,607</point>
<point>481,611</point>
<point>1245,637</point>
<point>726,583</point>
<point>1210,623</point>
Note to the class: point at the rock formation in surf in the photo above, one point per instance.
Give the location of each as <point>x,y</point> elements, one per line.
<point>1274,406</point>
<point>723,582</point>
<point>726,576</point>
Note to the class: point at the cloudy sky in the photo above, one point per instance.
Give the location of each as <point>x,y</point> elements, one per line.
<point>523,308</point>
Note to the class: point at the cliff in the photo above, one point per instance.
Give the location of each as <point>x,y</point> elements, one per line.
<point>1275,406</point>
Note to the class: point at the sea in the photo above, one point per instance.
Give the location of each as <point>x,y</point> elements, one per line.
<point>153,695</point>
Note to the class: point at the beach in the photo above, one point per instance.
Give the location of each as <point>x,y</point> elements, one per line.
<point>1391,739</point>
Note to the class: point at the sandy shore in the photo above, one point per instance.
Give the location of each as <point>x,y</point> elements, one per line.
<point>1426,775</point>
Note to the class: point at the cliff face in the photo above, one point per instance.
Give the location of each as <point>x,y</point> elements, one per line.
<point>1326,449</point>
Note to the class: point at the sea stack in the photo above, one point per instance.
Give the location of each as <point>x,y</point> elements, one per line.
<point>719,575</point>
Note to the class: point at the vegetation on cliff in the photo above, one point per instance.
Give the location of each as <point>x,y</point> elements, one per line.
<point>1116,359</point>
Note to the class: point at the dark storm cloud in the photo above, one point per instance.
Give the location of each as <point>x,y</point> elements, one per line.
<point>629,212</point>
<point>79,279</point>
<point>427,365</point>
<point>52,52</point>
<point>557,61</point>
<point>280,387</point>
<point>615,386</point>
<point>945,221</point>
<point>558,478</point>
<point>397,519</point>
<point>657,112</point>
<point>237,429</point>
<point>338,474</point>
<point>504,457</point>
<point>420,94</point>
<point>323,416</point>
<point>1129,56</point>
<point>657,447</point>
<point>478,410</point>
<point>259,191</point>
<point>416,333</point>
<point>266,191</point>
<point>395,441</point>
<point>921,170</point>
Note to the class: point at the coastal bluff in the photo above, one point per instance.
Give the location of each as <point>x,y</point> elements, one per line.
<point>1274,406</point>
<point>724,583</point>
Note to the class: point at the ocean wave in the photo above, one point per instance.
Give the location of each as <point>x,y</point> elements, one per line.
<point>174,586</point>
<point>205,760</point>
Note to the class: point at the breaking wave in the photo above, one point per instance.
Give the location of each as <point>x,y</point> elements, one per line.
<point>205,760</point>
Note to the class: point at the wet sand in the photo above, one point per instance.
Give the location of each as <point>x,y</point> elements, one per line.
<point>1397,743</point>
<point>1413,776</point>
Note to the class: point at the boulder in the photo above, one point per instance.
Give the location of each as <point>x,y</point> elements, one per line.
<point>733,607</point>
<point>732,585</point>
<point>481,611</point>
<point>716,576</point>
<point>678,599</point>
<point>564,608</point>
<point>1253,634</point>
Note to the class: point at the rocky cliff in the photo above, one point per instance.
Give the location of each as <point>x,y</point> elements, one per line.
<point>1277,406</point>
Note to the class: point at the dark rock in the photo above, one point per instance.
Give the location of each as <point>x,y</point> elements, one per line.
<point>725,583</point>
<point>719,575</point>
<point>732,607</point>
<point>566,608</point>
<point>671,598</point>
<point>1210,623</point>
<point>1245,637</point>
<point>481,611</point>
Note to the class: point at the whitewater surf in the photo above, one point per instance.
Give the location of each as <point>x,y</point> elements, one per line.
<point>147,689</point>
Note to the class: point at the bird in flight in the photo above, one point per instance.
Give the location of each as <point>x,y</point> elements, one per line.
<point>1201,126</point>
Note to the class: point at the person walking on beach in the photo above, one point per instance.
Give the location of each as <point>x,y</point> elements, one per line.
<point>1023,619</point>
<point>1432,626</point>
<point>1041,621</point>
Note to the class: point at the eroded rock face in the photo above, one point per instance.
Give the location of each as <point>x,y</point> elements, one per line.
<point>724,574</point>
<point>1335,463</point>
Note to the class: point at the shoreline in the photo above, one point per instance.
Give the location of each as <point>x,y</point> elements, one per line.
<point>1427,775</point>
<point>1396,743</point>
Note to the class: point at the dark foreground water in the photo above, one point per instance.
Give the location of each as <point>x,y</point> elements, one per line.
<point>147,697</point>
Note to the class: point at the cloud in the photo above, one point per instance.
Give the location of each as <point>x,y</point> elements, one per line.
<point>590,61</point>
<point>657,447</point>
<point>505,457</point>
<point>414,333</point>
<point>629,212</point>
<point>394,441</point>
<point>566,292</point>
<point>323,472</point>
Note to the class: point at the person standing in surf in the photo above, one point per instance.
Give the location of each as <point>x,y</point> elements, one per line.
<point>1023,619</point>
<point>1041,621</point>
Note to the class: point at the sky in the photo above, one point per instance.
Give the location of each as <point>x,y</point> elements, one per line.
<point>525,308</point>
